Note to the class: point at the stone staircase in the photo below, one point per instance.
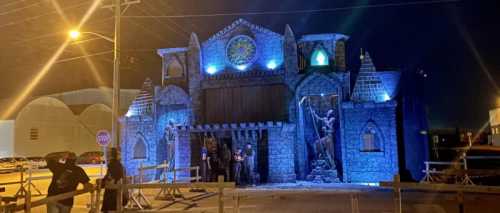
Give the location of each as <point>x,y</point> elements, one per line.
<point>323,173</point>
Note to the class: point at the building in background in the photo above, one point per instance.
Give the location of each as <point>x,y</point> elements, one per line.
<point>65,121</point>
<point>495,126</point>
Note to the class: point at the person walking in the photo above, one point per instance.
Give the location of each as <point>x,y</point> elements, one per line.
<point>66,176</point>
<point>114,174</point>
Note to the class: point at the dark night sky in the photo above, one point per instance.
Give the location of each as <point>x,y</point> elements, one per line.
<point>447,40</point>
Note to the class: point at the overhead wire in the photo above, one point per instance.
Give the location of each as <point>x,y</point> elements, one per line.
<point>159,21</point>
<point>18,9</point>
<point>414,3</point>
<point>10,24</point>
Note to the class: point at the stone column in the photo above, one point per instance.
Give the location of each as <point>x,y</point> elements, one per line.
<point>281,154</point>
<point>183,153</point>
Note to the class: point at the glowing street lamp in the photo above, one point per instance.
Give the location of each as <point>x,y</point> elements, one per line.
<point>75,34</point>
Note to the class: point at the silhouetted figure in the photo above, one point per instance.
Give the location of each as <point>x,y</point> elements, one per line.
<point>249,163</point>
<point>226,162</point>
<point>205,164</point>
<point>114,174</point>
<point>238,165</point>
<point>66,176</point>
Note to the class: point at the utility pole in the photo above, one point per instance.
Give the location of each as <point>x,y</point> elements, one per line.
<point>115,126</point>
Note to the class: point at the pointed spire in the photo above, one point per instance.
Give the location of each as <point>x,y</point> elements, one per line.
<point>148,84</point>
<point>193,41</point>
<point>289,32</point>
<point>367,63</point>
<point>361,55</point>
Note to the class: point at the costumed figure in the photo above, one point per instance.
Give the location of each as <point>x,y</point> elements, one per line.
<point>238,164</point>
<point>324,146</point>
<point>205,164</point>
<point>249,163</point>
<point>225,162</point>
<point>211,143</point>
<point>171,137</point>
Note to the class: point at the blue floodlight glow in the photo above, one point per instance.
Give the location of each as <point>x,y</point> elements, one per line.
<point>386,97</point>
<point>241,67</point>
<point>319,58</point>
<point>272,65</point>
<point>129,114</point>
<point>211,70</point>
<point>322,94</point>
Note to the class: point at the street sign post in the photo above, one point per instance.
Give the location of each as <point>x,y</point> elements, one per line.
<point>103,139</point>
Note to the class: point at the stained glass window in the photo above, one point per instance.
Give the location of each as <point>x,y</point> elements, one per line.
<point>319,58</point>
<point>241,51</point>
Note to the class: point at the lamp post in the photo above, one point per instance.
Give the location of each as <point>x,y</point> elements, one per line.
<point>115,126</point>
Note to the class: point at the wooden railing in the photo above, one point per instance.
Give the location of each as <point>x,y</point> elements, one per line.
<point>398,188</point>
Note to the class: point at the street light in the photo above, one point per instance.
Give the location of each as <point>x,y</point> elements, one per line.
<point>75,34</point>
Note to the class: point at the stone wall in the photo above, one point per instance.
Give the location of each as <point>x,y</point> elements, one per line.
<point>134,129</point>
<point>281,154</point>
<point>369,166</point>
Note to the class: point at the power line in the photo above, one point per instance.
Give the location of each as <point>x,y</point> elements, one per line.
<point>301,11</point>
<point>44,14</point>
<point>18,9</point>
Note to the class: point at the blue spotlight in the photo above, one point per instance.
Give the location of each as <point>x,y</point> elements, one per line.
<point>211,69</point>
<point>272,65</point>
<point>241,67</point>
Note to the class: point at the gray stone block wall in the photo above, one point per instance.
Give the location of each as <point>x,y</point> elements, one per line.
<point>133,129</point>
<point>361,166</point>
<point>281,154</point>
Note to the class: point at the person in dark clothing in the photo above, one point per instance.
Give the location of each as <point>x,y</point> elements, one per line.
<point>226,162</point>
<point>66,176</point>
<point>205,165</point>
<point>238,161</point>
<point>249,164</point>
<point>114,174</point>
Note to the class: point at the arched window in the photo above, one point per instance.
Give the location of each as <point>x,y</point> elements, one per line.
<point>370,139</point>
<point>174,69</point>
<point>319,58</point>
<point>140,149</point>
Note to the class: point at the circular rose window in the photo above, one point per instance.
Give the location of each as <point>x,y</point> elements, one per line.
<point>241,51</point>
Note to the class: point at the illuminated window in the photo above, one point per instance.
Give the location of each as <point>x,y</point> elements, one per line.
<point>370,140</point>
<point>34,134</point>
<point>174,70</point>
<point>319,58</point>
<point>140,149</point>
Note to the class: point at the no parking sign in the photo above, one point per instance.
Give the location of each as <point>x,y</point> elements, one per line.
<point>103,138</point>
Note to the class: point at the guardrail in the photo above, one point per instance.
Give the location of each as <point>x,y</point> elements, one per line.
<point>399,186</point>
<point>95,192</point>
<point>430,171</point>
<point>461,170</point>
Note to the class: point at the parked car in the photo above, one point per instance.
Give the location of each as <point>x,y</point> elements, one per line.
<point>37,162</point>
<point>7,165</point>
<point>56,155</point>
<point>21,162</point>
<point>94,157</point>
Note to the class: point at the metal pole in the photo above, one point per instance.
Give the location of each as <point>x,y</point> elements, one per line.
<point>116,79</point>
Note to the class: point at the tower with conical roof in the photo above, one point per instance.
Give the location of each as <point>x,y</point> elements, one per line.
<point>369,87</point>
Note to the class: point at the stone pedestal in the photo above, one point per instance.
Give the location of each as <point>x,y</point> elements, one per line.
<point>323,173</point>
